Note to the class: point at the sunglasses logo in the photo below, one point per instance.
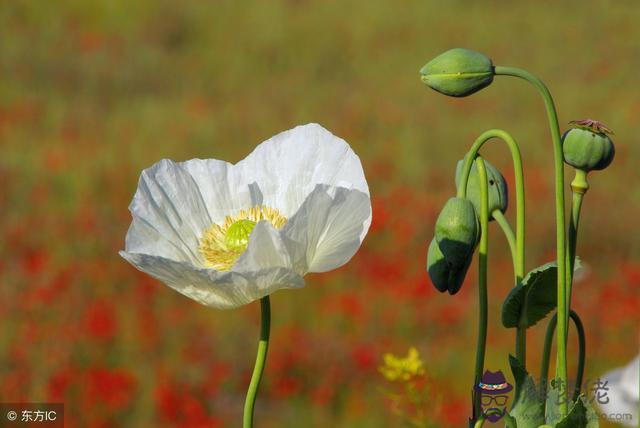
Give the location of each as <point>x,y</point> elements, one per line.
<point>493,390</point>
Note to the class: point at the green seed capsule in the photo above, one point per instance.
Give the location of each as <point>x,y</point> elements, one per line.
<point>458,72</point>
<point>588,147</point>
<point>457,231</point>
<point>498,191</point>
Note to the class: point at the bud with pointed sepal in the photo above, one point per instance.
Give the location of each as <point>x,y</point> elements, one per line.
<point>458,72</point>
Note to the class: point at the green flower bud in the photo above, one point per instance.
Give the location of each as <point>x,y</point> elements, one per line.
<point>442,274</point>
<point>458,72</point>
<point>498,191</point>
<point>587,147</point>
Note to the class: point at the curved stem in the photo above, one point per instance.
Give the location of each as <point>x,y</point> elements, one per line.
<point>546,353</point>
<point>508,233</point>
<point>263,345</point>
<point>482,279</point>
<point>521,344</point>
<point>552,116</point>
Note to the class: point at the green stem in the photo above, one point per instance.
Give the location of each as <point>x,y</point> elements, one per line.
<point>482,279</point>
<point>480,422</point>
<point>521,349</point>
<point>579,187</point>
<point>546,353</point>
<point>263,345</point>
<point>508,233</point>
<point>552,116</point>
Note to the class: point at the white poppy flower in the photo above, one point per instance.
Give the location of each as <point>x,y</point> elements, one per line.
<point>226,235</point>
<point>621,394</point>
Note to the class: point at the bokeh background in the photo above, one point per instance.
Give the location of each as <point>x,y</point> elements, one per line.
<point>93,92</point>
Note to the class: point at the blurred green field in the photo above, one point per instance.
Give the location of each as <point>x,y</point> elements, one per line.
<point>93,92</point>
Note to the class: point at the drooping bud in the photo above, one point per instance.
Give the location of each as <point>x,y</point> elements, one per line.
<point>457,230</point>
<point>442,274</point>
<point>458,72</point>
<point>451,250</point>
<point>497,186</point>
<point>587,146</point>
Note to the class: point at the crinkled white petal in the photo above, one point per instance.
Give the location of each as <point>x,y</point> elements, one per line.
<point>223,189</point>
<point>623,393</point>
<point>221,290</point>
<point>288,166</point>
<point>308,174</point>
<point>328,228</point>
<point>264,250</point>
<point>169,213</point>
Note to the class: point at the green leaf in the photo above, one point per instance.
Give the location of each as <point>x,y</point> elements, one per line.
<point>577,417</point>
<point>512,307</point>
<point>537,295</point>
<point>519,372</point>
<point>510,421</point>
<point>529,409</point>
<point>552,408</point>
<point>593,421</point>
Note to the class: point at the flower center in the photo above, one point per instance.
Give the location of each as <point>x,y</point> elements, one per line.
<point>237,236</point>
<point>222,244</point>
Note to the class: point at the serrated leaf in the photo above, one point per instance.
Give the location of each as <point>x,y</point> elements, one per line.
<point>541,292</point>
<point>510,421</point>
<point>593,421</point>
<point>552,407</point>
<point>529,409</point>
<point>537,295</point>
<point>519,372</point>
<point>512,307</point>
<point>577,417</point>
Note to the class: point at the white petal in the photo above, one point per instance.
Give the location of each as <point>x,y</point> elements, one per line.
<point>144,238</point>
<point>622,394</point>
<point>265,250</point>
<point>221,290</point>
<point>288,166</point>
<point>328,228</point>
<point>222,187</point>
<point>167,208</point>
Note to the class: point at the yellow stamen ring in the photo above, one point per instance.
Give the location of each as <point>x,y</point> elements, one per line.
<point>222,244</point>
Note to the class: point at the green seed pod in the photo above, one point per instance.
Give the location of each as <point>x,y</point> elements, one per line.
<point>588,147</point>
<point>498,191</point>
<point>457,231</point>
<point>458,72</point>
<point>442,274</point>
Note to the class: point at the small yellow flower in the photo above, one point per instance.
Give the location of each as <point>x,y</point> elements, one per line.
<point>402,369</point>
